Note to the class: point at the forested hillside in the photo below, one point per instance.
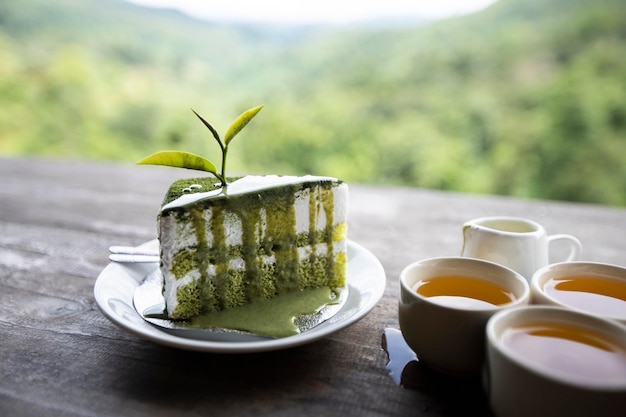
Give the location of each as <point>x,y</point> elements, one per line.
<point>527,98</point>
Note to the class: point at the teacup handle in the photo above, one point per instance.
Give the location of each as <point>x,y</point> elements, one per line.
<point>576,247</point>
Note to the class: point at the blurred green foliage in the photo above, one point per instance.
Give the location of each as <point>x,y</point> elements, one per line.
<point>526,98</point>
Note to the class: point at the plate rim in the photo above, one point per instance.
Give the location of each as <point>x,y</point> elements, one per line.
<point>131,275</point>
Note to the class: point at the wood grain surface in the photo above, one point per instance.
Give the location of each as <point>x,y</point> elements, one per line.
<point>59,356</point>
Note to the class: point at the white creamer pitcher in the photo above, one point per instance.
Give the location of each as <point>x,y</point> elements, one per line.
<point>520,244</point>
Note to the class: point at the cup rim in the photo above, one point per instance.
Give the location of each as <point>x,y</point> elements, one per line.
<point>521,299</point>
<point>559,314</point>
<point>537,281</point>
<point>478,224</point>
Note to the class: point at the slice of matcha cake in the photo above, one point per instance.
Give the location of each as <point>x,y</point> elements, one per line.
<point>223,247</point>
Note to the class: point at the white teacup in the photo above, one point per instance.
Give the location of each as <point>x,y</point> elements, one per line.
<point>444,306</point>
<point>589,287</point>
<point>520,244</point>
<point>550,361</point>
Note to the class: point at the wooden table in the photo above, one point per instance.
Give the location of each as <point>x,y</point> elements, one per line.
<point>59,356</point>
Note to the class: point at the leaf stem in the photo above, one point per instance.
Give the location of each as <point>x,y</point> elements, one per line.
<point>224,153</point>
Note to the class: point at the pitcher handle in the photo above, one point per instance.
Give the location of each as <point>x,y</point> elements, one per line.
<point>576,247</point>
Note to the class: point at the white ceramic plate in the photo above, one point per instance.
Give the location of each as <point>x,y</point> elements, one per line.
<point>116,284</point>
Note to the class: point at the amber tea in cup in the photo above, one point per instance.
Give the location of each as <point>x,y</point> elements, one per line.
<point>591,357</point>
<point>603,296</point>
<point>465,292</point>
<point>552,361</point>
<point>590,287</point>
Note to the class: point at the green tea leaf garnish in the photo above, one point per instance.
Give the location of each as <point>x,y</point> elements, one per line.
<point>188,160</point>
<point>240,123</point>
<point>180,159</point>
<point>211,128</point>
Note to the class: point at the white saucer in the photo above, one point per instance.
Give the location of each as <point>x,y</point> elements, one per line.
<point>115,287</point>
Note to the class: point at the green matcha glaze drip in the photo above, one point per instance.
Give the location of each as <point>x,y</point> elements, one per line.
<point>281,221</point>
<point>251,224</point>
<point>329,208</point>
<point>207,288</point>
<point>313,260</point>
<point>218,258</point>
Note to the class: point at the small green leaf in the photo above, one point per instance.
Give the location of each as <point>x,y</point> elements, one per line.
<point>210,127</point>
<point>240,123</point>
<point>180,159</point>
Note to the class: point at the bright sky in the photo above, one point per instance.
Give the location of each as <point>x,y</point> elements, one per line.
<point>327,11</point>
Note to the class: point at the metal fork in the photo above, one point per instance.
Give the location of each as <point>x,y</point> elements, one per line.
<point>131,254</point>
